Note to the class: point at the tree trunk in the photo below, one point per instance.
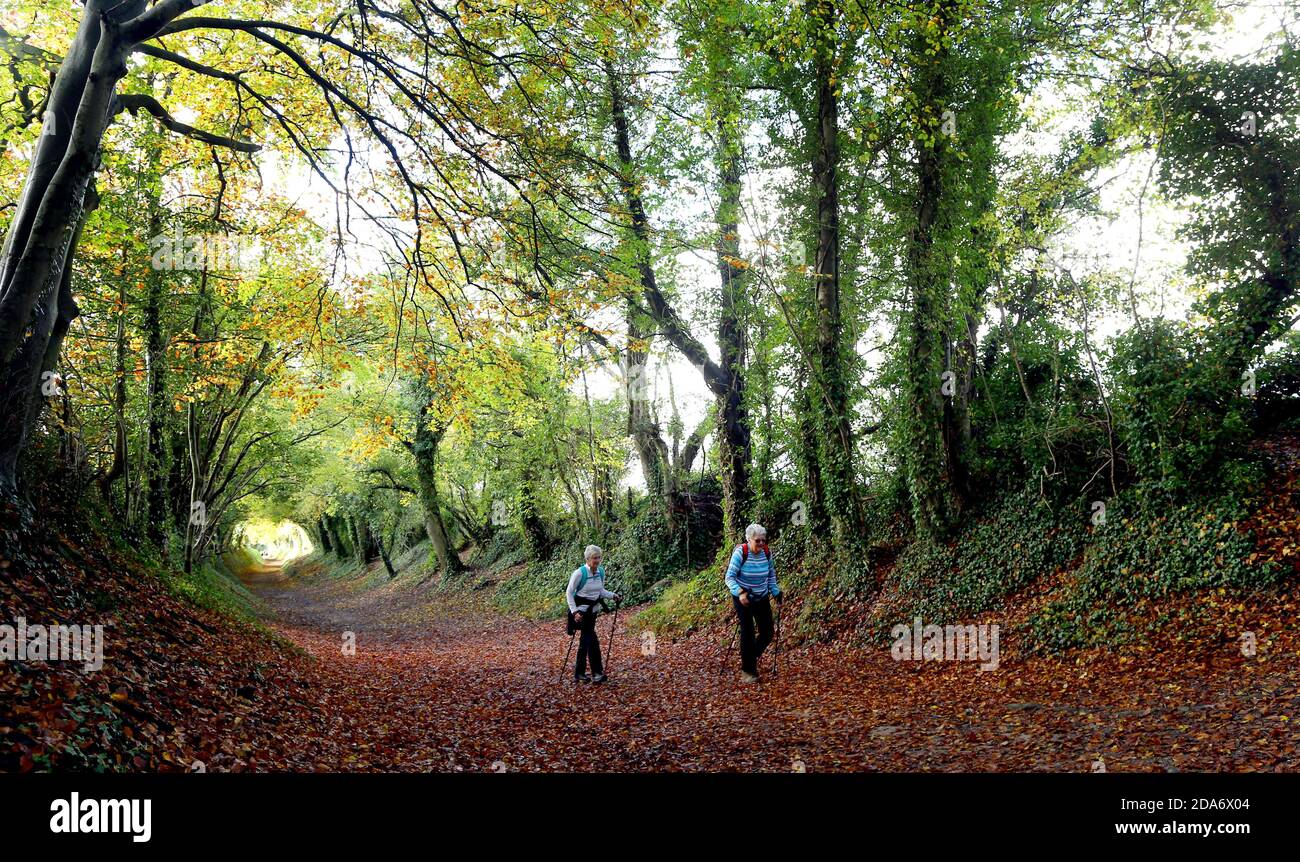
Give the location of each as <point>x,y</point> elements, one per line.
<point>641,425</point>
<point>360,541</point>
<point>733,423</point>
<point>535,537</point>
<point>323,531</point>
<point>177,488</point>
<point>603,493</point>
<point>810,460</point>
<point>424,450</point>
<point>39,244</point>
<point>934,501</point>
<point>723,381</point>
<point>158,453</point>
<point>383,555</point>
<point>337,540</point>
<point>121,457</point>
<point>465,521</point>
<point>957,410</point>
<point>30,379</point>
<point>837,449</point>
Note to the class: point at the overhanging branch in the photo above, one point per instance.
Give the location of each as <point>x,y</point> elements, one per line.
<point>136,102</point>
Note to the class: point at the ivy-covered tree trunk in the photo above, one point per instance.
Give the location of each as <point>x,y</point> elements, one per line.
<point>360,541</point>
<point>603,493</point>
<point>424,449</point>
<point>323,534</point>
<point>734,438</point>
<point>929,269</point>
<point>986,113</point>
<point>119,468</point>
<point>765,455</point>
<point>177,485</point>
<point>536,540</point>
<point>338,542</point>
<point>957,410</point>
<point>809,459</point>
<point>832,404</point>
<point>383,555</point>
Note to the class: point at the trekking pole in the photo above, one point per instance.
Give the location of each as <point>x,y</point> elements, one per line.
<point>776,653</point>
<point>566,655</point>
<point>609,659</point>
<point>734,622</point>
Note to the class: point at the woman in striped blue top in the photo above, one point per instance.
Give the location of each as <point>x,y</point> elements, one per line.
<point>751,577</point>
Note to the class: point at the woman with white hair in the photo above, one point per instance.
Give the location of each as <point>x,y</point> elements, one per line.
<point>586,589</point>
<point>751,577</point>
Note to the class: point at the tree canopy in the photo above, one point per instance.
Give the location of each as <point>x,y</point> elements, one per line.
<point>407,271</point>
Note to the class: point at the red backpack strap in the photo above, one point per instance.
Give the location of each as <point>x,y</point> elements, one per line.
<point>743,547</point>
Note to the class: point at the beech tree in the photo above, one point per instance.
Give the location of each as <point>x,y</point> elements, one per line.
<point>343,56</point>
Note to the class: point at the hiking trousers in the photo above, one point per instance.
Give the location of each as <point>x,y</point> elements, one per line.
<point>588,643</point>
<point>758,616</point>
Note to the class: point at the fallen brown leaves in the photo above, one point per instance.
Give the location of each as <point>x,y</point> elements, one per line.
<point>438,683</point>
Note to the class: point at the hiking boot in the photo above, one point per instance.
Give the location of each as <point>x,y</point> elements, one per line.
<point>747,677</point>
<point>582,677</point>
<point>599,678</point>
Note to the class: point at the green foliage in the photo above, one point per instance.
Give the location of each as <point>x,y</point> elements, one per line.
<point>818,574</point>
<point>100,743</point>
<point>1057,429</point>
<point>1276,406</point>
<point>1150,554</point>
<point>776,511</point>
<point>1177,414</point>
<point>1021,539</point>
<point>650,550</point>
<point>702,597</point>
<point>688,605</point>
<point>215,586</point>
<point>640,558</point>
<point>504,549</point>
<point>1232,145</point>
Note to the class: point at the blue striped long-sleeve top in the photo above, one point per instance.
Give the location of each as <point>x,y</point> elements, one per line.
<point>755,574</point>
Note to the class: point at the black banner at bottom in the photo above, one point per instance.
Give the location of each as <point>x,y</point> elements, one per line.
<point>132,814</point>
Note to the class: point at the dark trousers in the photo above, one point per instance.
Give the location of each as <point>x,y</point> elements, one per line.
<point>757,615</point>
<point>588,644</point>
